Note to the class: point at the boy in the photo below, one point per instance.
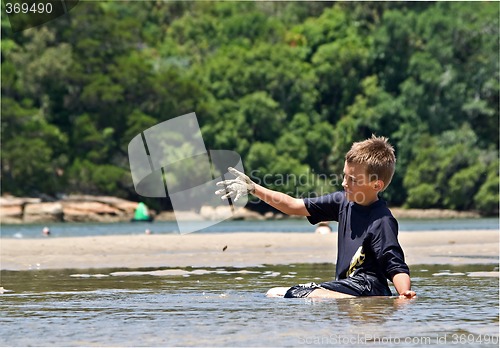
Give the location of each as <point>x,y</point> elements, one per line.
<point>368,249</point>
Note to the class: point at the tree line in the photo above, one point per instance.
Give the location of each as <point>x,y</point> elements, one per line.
<point>288,85</point>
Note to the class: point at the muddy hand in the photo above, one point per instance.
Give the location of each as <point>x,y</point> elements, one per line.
<point>235,188</point>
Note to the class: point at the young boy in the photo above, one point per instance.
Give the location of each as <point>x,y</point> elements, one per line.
<point>368,249</point>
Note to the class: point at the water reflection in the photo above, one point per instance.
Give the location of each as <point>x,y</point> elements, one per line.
<point>370,310</point>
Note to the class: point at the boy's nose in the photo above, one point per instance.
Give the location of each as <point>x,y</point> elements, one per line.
<point>344,183</point>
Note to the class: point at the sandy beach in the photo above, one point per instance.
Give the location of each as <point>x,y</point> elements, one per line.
<point>233,249</point>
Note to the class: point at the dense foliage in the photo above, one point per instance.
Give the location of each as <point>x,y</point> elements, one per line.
<point>289,86</point>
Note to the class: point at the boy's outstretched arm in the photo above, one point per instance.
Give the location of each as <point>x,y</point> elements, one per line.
<point>281,201</point>
<point>402,283</point>
<point>242,186</point>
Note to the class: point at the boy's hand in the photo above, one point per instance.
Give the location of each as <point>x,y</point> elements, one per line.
<point>408,294</point>
<point>241,186</point>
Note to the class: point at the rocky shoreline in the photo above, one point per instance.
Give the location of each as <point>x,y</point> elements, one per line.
<point>73,208</point>
<point>85,208</point>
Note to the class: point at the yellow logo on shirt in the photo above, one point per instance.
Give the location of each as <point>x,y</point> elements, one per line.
<point>356,261</point>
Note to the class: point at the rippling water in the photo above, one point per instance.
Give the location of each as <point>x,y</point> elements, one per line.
<point>227,307</point>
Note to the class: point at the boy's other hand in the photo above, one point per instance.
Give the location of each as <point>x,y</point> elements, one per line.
<point>236,188</point>
<point>408,294</point>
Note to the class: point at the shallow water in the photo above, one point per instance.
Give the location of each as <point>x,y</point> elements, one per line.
<point>170,227</point>
<point>456,305</point>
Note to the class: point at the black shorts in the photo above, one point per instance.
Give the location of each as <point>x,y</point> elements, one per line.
<point>356,285</point>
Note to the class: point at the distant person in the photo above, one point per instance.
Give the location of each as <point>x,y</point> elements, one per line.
<point>46,231</point>
<point>323,228</point>
<point>368,249</point>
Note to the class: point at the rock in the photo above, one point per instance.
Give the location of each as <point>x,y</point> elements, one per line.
<point>11,208</point>
<point>79,211</point>
<point>10,201</point>
<point>228,212</point>
<point>224,212</point>
<point>74,208</point>
<point>216,213</point>
<point>208,212</point>
<point>12,214</point>
<point>42,212</point>
<point>80,216</point>
<point>269,215</point>
<point>274,216</point>
<point>188,216</point>
<point>165,216</point>
<point>127,207</point>
<point>279,216</point>
<point>247,214</point>
<point>11,211</point>
<point>91,207</point>
<point>119,203</point>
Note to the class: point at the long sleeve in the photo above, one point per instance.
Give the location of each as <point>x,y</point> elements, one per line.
<point>386,247</point>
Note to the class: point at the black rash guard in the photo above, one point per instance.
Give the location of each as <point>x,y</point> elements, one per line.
<point>368,247</point>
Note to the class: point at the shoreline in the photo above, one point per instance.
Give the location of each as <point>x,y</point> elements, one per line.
<point>232,250</point>
<point>108,209</point>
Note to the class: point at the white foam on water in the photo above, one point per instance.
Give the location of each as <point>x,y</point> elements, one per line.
<point>201,271</point>
<point>272,274</point>
<point>128,273</point>
<point>244,271</point>
<point>483,274</point>
<point>179,272</point>
<point>448,274</point>
<point>169,272</point>
<point>247,272</point>
<point>84,275</point>
<point>164,272</point>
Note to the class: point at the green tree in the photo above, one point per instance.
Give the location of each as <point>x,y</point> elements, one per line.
<point>486,199</point>
<point>448,170</point>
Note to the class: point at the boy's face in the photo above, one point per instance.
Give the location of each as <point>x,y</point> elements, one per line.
<point>360,187</point>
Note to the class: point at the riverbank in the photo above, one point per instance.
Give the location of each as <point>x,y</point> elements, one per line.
<point>84,208</point>
<point>234,249</point>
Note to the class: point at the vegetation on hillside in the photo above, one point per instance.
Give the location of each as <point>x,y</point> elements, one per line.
<point>288,85</point>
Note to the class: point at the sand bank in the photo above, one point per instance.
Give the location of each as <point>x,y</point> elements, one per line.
<point>232,249</point>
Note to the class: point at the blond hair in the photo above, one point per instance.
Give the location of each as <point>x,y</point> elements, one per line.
<point>377,155</point>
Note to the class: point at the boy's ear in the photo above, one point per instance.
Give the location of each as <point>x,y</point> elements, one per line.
<point>378,185</point>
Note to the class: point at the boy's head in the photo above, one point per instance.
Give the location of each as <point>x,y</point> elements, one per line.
<point>377,156</point>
